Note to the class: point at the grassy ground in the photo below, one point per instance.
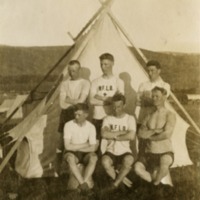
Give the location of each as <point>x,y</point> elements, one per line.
<point>186,187</point>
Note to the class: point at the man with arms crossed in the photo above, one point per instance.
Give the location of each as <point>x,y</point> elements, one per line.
<point>144,104</point>
<point>156,129</point>
<point>118,129</point>
<point>102,90</point>
<point>72,91</point>
<point>80,145</point>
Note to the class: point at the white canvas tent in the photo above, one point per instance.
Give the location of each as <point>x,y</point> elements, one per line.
<point>9,106</point>
<point>35,137</point>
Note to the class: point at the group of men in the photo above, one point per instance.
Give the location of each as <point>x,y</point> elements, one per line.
<point>109,135</point>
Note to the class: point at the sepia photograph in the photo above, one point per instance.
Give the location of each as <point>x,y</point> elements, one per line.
<point>99,100</point>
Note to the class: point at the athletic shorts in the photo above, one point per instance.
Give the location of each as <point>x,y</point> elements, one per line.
<point>81,156</point>
<point>151,160</point>
<point>117,159</point>
<point>65,116</point>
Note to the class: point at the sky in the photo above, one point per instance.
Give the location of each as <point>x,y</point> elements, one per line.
<point>158,25</point>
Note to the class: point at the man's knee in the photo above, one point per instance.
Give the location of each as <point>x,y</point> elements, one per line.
<point>106,161</point>
<point>166,160</point>
<point>128,161</point>
<point>139,168</point>
<point>93,157</point>
<point>70,158</point>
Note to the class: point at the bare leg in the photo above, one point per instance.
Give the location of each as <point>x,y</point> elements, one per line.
<point>125,169</point>
<point>141,171</point>
<point>108,166</point>
<point>89,169</point>
<point>59,152</point>
<point>165,162</point>
<point>72,161</point>
<point>154,173</point>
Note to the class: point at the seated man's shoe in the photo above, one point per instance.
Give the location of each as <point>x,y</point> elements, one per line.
<point>84,188</point>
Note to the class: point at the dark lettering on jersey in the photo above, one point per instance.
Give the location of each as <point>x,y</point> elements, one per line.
<point>115,127</point>
<point>105,88</point>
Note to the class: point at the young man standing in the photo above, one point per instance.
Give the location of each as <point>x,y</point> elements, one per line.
<point>80,145</point>
<point>118,129</point>
<point>144,96</point>
<point>156,129</point>
<point>72,91</point>
<point>102,90</point>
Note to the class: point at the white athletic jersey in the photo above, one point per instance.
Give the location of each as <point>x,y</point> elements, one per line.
<point>73,89</point>
<point>80,134</point>
<point>126,123</point>
<point>105,87</point>
<point>145,90</point>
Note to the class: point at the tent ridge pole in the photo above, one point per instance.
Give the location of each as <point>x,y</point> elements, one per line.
<point>103,7</point>
<point>185,113</point>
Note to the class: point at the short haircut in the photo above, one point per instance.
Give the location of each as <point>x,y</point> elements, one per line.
<point>81,106</point>
<point>154,63</point>
<point>162,90</point>
<point>72,62</point>
<point>119,97</point>
<point>107,56</point>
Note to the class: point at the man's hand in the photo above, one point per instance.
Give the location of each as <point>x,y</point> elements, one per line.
<point>99,97</point>
<point>106,100</point>
<point>69,100</point>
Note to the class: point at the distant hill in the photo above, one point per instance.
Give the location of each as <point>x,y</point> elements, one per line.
<point>28,60</point>
<point>28,65</point>
<point>181,70</point>
<point>21,65</point>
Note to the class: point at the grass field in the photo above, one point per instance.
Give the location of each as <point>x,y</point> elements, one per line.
<point>185,179</point>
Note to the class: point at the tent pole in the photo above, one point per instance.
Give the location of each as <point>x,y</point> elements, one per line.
<point>35,88</point>
<point>108,2</point>
<point>145,60</point>
<point>138,51</point>
<point>185,113</point>
<point>126,34</point>
<point>9,155</point>
<point>103,7</point>
<point>13,149</point>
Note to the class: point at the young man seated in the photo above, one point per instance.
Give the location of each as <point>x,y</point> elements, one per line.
<point>156,129</point>
<point>118,130</point>
<point>80,145</point>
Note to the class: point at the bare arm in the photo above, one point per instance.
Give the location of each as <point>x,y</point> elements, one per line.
<point>106,133</point>
<point>168,129</point>
<point>99,100</point>
<point>94,98</point>
<point>91,148</point>
<point>75,147</point>
<point>130,135</point>
<point>145,133</point>
<point>62,97</point>
<point>82,97</point>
